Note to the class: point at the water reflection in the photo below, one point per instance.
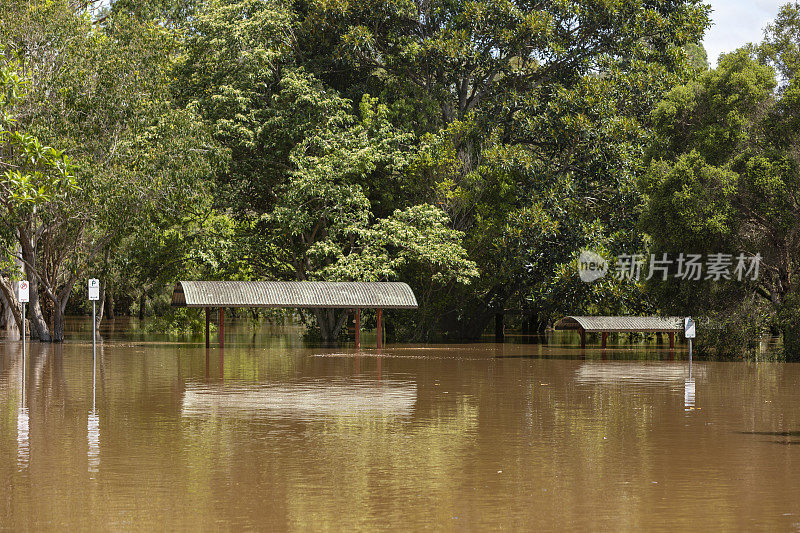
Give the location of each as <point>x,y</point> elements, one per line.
<point>688,394</point>
<point>518,437</point>
<point>615,372</point>
<point>93,424</point>
<point>23,422</point>
<point>302,400</point>
<point>23,438</point>
<point>93,438</point>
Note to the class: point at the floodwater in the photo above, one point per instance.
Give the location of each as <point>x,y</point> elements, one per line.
<point>271,435</point>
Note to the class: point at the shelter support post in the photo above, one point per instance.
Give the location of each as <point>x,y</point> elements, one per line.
<point>672,339</point>
<point>604,337</point>
<point>358,329</point>
<point>583,338</point>
<point>221,327</point>
<point>208,319</point>
<point>380,328</point>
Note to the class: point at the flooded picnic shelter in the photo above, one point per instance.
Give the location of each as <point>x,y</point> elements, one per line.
<point>621,324</point>
<point>295,294</point>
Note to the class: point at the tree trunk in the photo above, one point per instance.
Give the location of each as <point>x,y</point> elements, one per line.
<point>58,323</point>
<point>388,329</point>
<point>101,309</point>
<point>542,324</point>
<point>324,323</point>
<point>11,310</point>
<point>60,306</point>
<point>484,311</point>
<point>109,307</point>
<point>39,329</point>
<point>329,323</point>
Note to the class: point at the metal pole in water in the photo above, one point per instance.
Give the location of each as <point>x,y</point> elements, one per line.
<point>690,358</point>
<point>94,328</point>
<point>23,356</point>
<point>94,381</point>
<point>93,424</point>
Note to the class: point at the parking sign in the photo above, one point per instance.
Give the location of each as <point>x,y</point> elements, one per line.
<point>94,289</point>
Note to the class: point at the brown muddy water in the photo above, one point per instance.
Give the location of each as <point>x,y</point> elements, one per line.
<point>272,435</point>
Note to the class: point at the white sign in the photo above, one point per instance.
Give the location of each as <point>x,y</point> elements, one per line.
<point>94,289</point>
<point>23,292</point>
<point>688,327</point>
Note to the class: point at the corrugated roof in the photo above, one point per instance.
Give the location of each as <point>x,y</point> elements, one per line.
<point>305,294</point>
<point>621,323</point>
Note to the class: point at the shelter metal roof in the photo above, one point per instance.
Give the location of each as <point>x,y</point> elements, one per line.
<point>621,323</point>
<point>305,294</point>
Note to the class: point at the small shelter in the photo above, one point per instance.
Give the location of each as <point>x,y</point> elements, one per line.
<point>299,294</point>
<point>621,324</point>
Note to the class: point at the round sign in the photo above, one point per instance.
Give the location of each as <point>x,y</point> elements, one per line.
<point>23,285</point>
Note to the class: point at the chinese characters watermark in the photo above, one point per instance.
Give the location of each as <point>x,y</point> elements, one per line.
<point>691,267</point>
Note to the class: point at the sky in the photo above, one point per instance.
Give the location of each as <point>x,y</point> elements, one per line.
<point>736,23</point>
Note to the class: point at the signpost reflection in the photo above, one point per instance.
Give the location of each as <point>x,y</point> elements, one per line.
<point>23,422</point>
<point>93,424</point>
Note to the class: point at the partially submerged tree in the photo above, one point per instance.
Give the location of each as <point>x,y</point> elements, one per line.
<point>36,182</point>
<point>307,169</point>
<point>526,122</point>
<point>470,148</point>
<point>532,120</point>
<point>724,178</point>
<point>102,93</point>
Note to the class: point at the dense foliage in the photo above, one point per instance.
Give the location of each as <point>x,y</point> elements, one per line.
<point>724,178</point>
<point>470,148</point>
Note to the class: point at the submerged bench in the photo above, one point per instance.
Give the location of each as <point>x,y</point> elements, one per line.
<point>621,324</point>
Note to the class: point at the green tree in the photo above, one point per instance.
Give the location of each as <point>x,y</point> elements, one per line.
<point>100,89</point>
<point>308,168</point>
<point>723,178</point>
<point>533,125</point>
<point>35,179</point>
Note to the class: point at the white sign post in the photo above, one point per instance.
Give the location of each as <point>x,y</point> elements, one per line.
<point>689,327</point>
<point>24,296</point>
<point>94,295</point>
<point>689,332</point>
<point>93,426</point>
<point>23,291</point>
<point>94,289</point>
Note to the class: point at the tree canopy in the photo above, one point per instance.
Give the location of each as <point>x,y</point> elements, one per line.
<point>471,148</point>
<point>724,177</point>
